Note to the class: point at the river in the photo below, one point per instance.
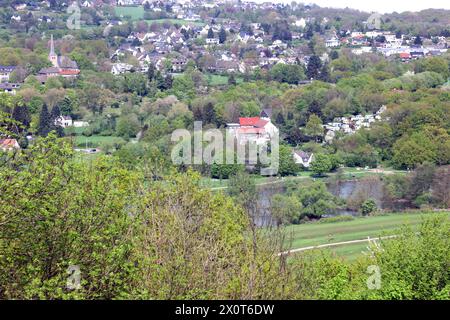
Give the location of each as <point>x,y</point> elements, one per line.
<point>354,192</point>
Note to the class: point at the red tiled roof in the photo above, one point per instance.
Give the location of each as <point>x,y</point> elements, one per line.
<point>8,143</point>
<point>261,123</point>
<point>251,131</point>
<point>249,121</point>
<point>69,71</point>
<point>405,55</point>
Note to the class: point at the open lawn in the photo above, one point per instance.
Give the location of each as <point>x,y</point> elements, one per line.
<point>136,13</point>
<point>217,184</point>
<point>220,80</point>
<point>312,234</point>
<point>174,21</point>
<point>347,174</point>
<point>93,141</point>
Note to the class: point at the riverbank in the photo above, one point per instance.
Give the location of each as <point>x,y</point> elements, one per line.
<point>344,174</point>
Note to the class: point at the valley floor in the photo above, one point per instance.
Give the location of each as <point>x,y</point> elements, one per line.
<point>314,234</point>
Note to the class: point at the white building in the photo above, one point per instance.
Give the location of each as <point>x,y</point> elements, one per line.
<point>212,41</point>
<point>80,124</point>
<point>300,23</point>
<point>257,130</point>
<point>333,42</point>
<point>64,121</point>
<point>119,68</point>
<point>303,158</point>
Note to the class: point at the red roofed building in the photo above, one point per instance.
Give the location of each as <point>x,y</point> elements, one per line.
<point>257,130</point>
<point>9,144</point>
<point>248,122</point>
<point>405,56</point>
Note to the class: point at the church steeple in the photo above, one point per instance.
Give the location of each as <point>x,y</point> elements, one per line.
<point>52,46</point>
<point>52,55</point>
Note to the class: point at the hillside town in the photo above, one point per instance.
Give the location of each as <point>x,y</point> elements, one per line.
<point>224,150</point>
<point>215,45</point>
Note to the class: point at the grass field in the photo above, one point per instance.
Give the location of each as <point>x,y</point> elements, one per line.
<point>136,13</point>
<point>219,80</point>
<point>348,173</point>
<point>93,141</point>
<point>312,234</point>
<point>259,180</point>
<point>173,21</point>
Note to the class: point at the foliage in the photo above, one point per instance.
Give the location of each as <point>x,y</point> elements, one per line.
<point>285,209</point>
<point>287,165</point>
<point>369,206</point>
<point>412,266</point>
<point>316,200</point>
<point>321,164</point>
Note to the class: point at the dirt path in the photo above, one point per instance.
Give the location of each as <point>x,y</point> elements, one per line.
<point>334,244</point>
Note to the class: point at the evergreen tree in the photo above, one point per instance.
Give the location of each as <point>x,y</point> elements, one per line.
<point>210,33</point>
<point>160,81</point>
<point>232,80</point>
<point>22,115</point>
<point>209,115</point>
<point>309,32</point>
<point>222,36</point>
<point>418,41</point>
<point>168,81</point>
<point>314,66</point>
<point>276,33</point>
<point>334,55</point>
<point>324,73</point>
<point>66,106</point>
<point>56,112</point>
<point>151,71</point>
<point>280,119</point>
<point>45,124</point>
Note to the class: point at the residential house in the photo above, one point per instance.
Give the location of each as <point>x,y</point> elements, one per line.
<point>405,56</point>
<point>256,130</point>
<point>120,68</point>
<point>5,73</point>
<point>333,42</point>
<point>80,124</point>
<point>300,23</point>
<point>10,88</point>
<point>64,121</point>
<point>303,158</point>
<point>179,64</point>
<point>227,66</point>
<point>9,144</point>
<point>212,41</point>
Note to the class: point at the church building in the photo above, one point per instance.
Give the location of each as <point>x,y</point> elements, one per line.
<point>61,66</point>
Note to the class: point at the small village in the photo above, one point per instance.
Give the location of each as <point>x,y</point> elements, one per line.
<point>215,45</point>
<point>224,150</point>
